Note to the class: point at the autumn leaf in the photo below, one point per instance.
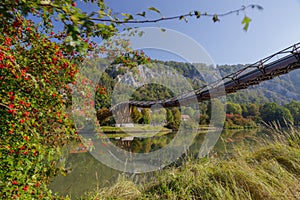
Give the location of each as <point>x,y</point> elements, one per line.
<point>246,21</point>
<point>154,9</point>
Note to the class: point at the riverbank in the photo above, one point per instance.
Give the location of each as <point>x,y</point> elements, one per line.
<point>136,128</point>
<point>150,128</point>
<point>269,170</point>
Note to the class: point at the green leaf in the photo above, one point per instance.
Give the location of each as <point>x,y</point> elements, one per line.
<point>183,18</point>
<point>215,18</point>
<point>197,14</point>
<point>61,16</point>
<point>143,14</point>
<point>129,16</point>
<point>154,9</point>
<point>101,13</point>
<point>74,18</point>
<point>246,21</point>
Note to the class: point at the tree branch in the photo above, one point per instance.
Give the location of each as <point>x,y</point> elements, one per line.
<point>191,14</point>
<point>3,105</point>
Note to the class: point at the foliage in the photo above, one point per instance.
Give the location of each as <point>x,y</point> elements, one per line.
<point>36,67</point>
<point>294,108</point>
<point>273,112</point>
<point>136,115</point>
<point>34,77</point>
<point>152,92</point>
<point>145,119</point>
<point>101,98</point>
<point>173,117</point>
<point>216,106</point>
<point>238,121</point>
<point>233,108</point>
<point>158,116</point>
<point>170,117</point>
<point>77,25</point>
<point>251,110</point>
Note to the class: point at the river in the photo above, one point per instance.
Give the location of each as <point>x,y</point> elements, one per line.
<point>85,173</point>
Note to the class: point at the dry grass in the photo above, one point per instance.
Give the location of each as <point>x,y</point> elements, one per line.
<point>272,171</point>
<point>123,189</point>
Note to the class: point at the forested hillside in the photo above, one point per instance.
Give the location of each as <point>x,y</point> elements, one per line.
<point>280,90</point>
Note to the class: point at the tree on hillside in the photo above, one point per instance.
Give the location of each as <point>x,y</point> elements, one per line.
<point>170,120</point>
<point>216,112</point>
<point>252,110</point>
<point>189,111</point>
<point>145,119</point>
<point>233,108</point>
<point>294,108</point>
<point>272,112</point>
<point>136,115</point>
<point>177,116</point>
<point>158,116</point>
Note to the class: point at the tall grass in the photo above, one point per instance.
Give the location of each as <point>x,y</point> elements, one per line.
<point>287,134</point>
<point>271,171</point>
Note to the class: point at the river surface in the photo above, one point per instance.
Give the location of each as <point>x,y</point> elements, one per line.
<point>85,173</point>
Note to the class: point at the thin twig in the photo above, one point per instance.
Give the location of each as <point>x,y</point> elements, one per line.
<point>191,14</point>
<point>3,105</point>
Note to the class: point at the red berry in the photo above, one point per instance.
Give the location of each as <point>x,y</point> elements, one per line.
<point>14,182</point>
<point>74,4</point>
<point>12,111</point>
<point>37,184</point>
<point>25,188</point>
<point>22,147</point>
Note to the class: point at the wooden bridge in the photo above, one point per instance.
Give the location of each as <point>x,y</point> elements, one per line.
<point>265,69</point>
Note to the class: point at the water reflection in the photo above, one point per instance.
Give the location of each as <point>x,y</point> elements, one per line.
<point>87,173</point>
<point>142,144</point>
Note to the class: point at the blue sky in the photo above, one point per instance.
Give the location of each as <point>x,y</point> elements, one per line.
<point>274,28</point>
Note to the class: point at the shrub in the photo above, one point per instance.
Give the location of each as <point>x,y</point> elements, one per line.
<point>33,121</point>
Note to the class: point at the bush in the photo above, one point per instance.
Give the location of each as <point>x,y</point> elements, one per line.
<point>238,120</point>
<point>33,121</point>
